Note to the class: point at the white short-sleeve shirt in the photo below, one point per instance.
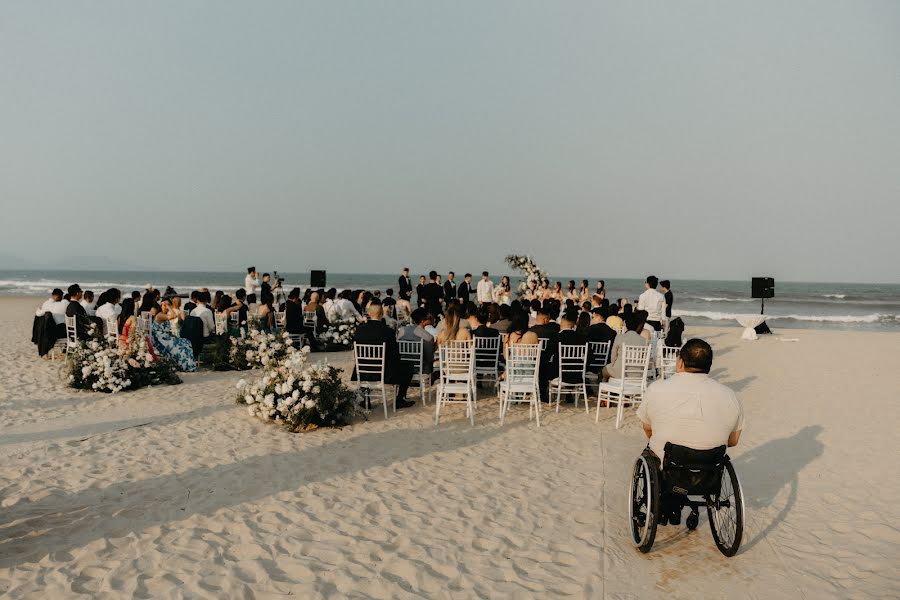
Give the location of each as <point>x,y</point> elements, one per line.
<point>692,410</point>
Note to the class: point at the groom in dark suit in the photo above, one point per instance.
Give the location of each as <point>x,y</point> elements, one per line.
<point>396,371</point>
<point>465,291</point>
<point>405,285</point>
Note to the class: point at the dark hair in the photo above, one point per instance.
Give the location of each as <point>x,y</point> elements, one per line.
<point>240,294</point>
<point>250,269</point>
<point>535,304</point>
<point>135,295</point>
<point>493,312</point>
<point>467,275</point>
<point>268,298</point>
<point>652,281</point>
<point>294,293</point>
<point>389,292</point>
<point>666,283</point>
<point>484,274</point>
<point>570,315</point>
<point>223,302</point>
<point>432,274</point>
<point>481,314</point>
<point>147,303</point>
<point>195,295</point>
<point>127,311</point>
<point>205,297</point>
<point>571,284</point>
<point>697,356</point>
<point>584,321</point>
<point>88,294</point>
<point>601,311</point>
<point>676,328</point>
<point>449,273</point>
<point>627,311</point>
<point>602,284</point>
<point>640,320</point>
<point>418,315</point>
<point>630,321</point>
<point>519,323</point>
<point>504,310</point>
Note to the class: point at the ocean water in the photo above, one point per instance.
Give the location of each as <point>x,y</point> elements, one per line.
<point>701,302</point>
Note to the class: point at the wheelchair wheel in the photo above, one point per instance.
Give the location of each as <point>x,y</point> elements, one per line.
<point>643,504</point>
<point>726,513</point>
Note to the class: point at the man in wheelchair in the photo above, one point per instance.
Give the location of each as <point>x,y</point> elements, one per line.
<point>689,419</point>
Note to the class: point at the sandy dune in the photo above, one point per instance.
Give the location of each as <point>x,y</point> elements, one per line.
<point>176,492</point>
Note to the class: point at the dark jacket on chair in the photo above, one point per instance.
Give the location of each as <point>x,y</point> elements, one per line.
<point>601,332</point>
<point>569,337</point>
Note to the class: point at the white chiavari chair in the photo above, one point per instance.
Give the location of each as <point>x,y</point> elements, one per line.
<point>370,362</point>
<point>520,383</point>
<point>631,386</point>
<point>412,351</point>
<point>487,360</point>
<point>457,378</point>
<point>572,361</point>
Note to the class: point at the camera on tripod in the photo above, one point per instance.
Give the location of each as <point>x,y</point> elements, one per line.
<point>278,280</point>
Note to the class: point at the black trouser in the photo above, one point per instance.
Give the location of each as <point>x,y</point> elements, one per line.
<point>401,377</point>
<point>656,325</point>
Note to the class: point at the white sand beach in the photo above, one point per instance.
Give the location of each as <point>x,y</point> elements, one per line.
<point>176,492</point>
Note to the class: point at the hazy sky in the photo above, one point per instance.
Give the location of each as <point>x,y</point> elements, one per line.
<point>689,139</point>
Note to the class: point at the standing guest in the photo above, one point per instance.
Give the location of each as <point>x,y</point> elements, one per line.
<point>503,323</point>
<point>432,295</point>
<point>599,331</point>
<point>266,286</point>
<point>503,292</point>
<point>176,349</point>
<point>416,331</point>
<point>485,289</point>
<point>584,292</point>
<point>396,371</point>
<point>557,293</point>
<point>666,286</point>
<point>653,302</point>
<point>420,291</point>
<point>265,314</point>
<point>404,297</point>
<point>250,283</point>
<point>87,301</point>
<point>450,289</point>
<point>572,293</point>
<point>544,292</point>
<point>616,356</point>
<point>601,286</point>
<point>56,305</point>
<point>316,307</point>
<point>464,291</point>
<point>452,331</point>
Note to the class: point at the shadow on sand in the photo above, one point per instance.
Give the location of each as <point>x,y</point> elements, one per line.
<point>765,470</point>
<point>62,522</point>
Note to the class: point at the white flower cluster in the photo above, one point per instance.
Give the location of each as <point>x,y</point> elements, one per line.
<point>339,333</point>
<point>103,365</point>
<point>533,273</point>
<point>261,349</point>
<point>284,387</point>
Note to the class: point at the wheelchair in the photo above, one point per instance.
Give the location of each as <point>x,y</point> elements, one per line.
<point>689,478</point>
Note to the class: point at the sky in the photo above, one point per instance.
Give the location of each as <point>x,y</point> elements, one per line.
<point>702,140</point>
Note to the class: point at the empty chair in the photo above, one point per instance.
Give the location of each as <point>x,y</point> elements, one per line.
<point>630,388</point>
<point>457,382</point>
<point>666,360</point>
<point>413,353</point>
<point>521,381</point>
<point>279,319</point>
<point>112,330</point>
<point>71,333</point>
<point>572,361</point>
<point>221,324</point>
<point>370,371</point>
<point>598,355</point>
<point>487,359</point>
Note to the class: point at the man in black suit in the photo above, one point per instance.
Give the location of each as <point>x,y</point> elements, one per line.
<point>567,336</point>
<point>465,291</point>
<point>599,331</point>
<point>432,295</point>
<point>450,288</point>
<point>396,371</point>
<point>75,309</point>
<point>549,330</point>
<point>293,315</point>
<point>405,285</point>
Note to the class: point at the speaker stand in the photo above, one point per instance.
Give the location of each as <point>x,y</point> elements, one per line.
<point>762,328</point>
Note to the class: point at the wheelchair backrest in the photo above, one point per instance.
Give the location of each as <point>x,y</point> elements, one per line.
<point>693,472</point>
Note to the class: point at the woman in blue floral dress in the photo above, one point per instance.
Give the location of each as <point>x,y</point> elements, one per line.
<point>176,349</point>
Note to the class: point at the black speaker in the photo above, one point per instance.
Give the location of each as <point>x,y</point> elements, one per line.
<point>763,287</point>
<point>317,279</point>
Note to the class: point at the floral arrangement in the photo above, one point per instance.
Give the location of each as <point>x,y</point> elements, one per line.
<point>298,396</point>
<point>249,350</point>
<point>339,333</point>
<point>532,272</point>
<point>94,365</point>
